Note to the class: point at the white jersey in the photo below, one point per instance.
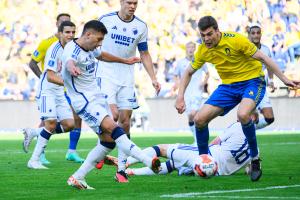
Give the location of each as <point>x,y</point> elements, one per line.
<point>122,40</point>
<point>231,154</point>
<point>193,89</point>
<point>80,89</point>
<point>268,53</point>
<point>53,63</point>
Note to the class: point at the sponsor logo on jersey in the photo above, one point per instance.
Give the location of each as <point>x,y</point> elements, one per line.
<point>90,68</point>
<point>115,28</point>
<point>227,51</point>
<point>122,39</point>
<point>124,29</point>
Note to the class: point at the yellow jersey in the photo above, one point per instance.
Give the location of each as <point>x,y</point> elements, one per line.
<point>40,53</point>
<point>232,58</point>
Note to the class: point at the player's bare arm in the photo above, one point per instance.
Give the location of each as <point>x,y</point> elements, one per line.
<point>72,68</point>
<point>185,80</point>
<point>148,64</point>
<point>35,68</point>
<point>53,78</point>
<point>272,66</point>
<point>107,57</point>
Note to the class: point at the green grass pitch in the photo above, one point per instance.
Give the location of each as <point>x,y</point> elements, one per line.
<point>281,173</point>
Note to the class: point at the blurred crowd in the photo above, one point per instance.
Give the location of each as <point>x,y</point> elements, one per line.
<point>171,23</point>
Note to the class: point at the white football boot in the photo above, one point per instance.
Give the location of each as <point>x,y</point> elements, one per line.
<point>35,164</point>
<point>29,134</point>
<point>79,183</point>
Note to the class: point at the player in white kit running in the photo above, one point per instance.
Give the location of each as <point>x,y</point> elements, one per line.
<point>230,150</point>
<point>52,104</point>
<point>78,68</point>
<point>194,91</point>
<point>265,107</point>
<point>126,34</point>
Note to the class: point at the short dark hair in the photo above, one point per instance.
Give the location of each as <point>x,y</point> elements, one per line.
<point>96,26</point>
<point>207,22</point>
<point>62,14</point>
<point>64,24</point>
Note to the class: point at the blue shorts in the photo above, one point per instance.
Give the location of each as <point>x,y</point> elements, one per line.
<point>68,98</point>
<point>227,96</point>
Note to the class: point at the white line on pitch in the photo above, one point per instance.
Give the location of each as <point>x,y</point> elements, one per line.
<point>246,197</point>
<point>198,194</point>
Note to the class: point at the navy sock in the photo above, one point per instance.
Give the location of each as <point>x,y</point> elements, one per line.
<point>157,150</point>
<point>202,135</point>
<point>169,166</point>
<point>110,145</point>
<point>249,131</point>
<point>58,128</point>
<point>74,138</point>
<point>117,132</point>
<point>45,134</point>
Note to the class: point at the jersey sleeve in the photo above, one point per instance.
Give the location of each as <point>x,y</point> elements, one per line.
<point>143,45</point>
<point>51,59</point>
<point>39,54</point>
<point>245,46</point>
<point>204,68</point>
<point>197,62</point>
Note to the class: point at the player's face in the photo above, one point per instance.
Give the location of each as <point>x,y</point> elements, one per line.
<point>190,49</point>
<point>210,37</point>
<point>68,34</point>
<point>94,39</point>
<point>129,6</point>
<point>255,35</point>
<point>62,19</point>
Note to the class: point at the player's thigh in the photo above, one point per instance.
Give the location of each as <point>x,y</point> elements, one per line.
<point>246,107</point>
<point>207,113</point>
<point>267,112</point>
<point>126,98</point>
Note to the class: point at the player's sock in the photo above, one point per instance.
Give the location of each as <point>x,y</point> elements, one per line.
<point>41,144</point>
<point>263,122</point>
<point>202,135</point>
<point>193,130</point>
<point>122,159</point>
<point>150,151</point>
<point>249,131</point>
<point>128,147</point>
<point>74,138</point>
<point>59,128</point>
<point>96,154</point>
<point>165,169</point>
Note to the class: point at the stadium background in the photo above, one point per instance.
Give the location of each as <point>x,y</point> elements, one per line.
<point>172,23</point>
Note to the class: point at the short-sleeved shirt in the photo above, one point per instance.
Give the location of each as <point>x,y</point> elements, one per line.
<point>40,53</point>
<point>232,58</point>
<point>123,39</point>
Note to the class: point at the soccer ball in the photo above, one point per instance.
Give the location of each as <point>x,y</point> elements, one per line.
<point>205,166</point>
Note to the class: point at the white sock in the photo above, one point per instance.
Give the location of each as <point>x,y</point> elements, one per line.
<point>149,151</point>
<point>148,171</point>
<point>122,159</point>
<point>96,154</point>
<point>129,148</point>
<point>261,123</point>
<point>40,146</point>
<point>193,130</point>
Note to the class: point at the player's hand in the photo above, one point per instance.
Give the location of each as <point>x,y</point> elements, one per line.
<point>271,86</point>
<point>180,105</point>
<point>59,66</point>
<point>133,60</point>
<point>74,71</point>
<point>156,86</point>
<point>291,83</point>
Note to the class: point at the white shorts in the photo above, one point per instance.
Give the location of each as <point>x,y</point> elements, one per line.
<point>123,96</point>
<point>54,107</point>
<point>179,154</point>
<point>193,103</point>
<point>94,111</point>
<point>265,102</point>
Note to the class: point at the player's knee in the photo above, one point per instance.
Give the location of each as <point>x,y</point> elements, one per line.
<point>68,125</point>
<point>50,125</point>
<point>269,120</point>
<point>200,121</point>
<point>243,117</point>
